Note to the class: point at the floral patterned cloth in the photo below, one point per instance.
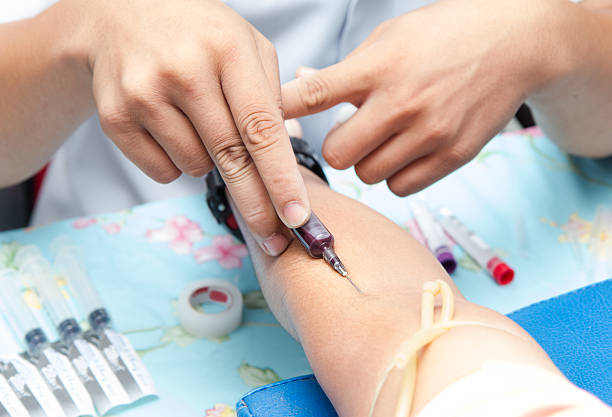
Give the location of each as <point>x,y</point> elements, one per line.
<point>535,206</point>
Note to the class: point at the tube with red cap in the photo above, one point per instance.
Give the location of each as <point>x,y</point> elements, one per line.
<point>476,248</point>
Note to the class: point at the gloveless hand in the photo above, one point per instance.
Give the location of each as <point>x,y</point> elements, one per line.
<point>432,87</point>
<point>184,84</point>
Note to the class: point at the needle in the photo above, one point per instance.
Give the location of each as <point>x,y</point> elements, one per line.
<point>353,284</point>
<point>340,268</point>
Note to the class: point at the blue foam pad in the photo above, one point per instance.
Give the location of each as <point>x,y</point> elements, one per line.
<point>575,329</point>
<point>295,397</point>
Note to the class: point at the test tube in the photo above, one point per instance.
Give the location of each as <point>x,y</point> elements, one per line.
<point>435,238</point>
<point>476,248</point>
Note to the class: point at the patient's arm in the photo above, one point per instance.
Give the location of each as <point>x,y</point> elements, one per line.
<point>350,338</point>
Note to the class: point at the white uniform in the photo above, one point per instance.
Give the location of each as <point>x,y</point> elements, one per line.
<point>89,175</point>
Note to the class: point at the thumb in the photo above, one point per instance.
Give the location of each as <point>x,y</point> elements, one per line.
<point>315,91</point>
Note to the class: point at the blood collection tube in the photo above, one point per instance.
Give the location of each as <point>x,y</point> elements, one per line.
<point>435,238</point>
<point>476,248</point>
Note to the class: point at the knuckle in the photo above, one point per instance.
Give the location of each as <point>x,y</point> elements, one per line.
<point>407,111</point>
<point>116,120</point>
<point>314,92</point>
<point>184,80</point>
<point>141,94</point>
<point>199,166</point>
<point>438,131</point>
<point>228,50</point>
<point>255,217</point>
<point>403,112</point>
<point>234,161</point>
<point>260,129</point>
<point>457,155</point>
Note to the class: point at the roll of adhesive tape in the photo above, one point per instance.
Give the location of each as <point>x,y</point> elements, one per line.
<point>202,324</point>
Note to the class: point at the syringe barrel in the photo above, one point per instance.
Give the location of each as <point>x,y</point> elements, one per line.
<point>70,266</point>
<point>18,314</point>
<point>37,273</point>
<point>314,236</point>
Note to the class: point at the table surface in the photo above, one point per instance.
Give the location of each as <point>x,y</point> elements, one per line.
<point>535,206</point>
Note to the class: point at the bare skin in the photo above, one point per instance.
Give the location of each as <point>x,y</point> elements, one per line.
<point>433,86</point>
<point>177,87</point>
<point>350,338</point>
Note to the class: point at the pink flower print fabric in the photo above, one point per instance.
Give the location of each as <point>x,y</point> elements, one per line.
<point>224,250</point>
<point>179,232</point>
<point>83,223</point>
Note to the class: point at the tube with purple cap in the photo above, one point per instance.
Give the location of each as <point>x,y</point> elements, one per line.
<point>436,240</point>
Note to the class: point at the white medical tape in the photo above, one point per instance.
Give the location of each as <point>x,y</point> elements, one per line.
<point>203,324</point>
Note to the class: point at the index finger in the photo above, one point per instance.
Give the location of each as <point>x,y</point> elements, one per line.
<point>345,81</point>
<point>258,117</point>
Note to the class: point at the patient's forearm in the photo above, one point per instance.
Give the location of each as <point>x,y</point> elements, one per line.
<point>350,338</point>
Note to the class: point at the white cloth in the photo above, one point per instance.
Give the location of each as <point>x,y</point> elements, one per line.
<point>504,389</point>
<point>88,175</point>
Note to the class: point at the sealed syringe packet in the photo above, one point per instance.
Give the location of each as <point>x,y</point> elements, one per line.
<point>56,370</point>
<point>82,373</point>
<point>125,362</point>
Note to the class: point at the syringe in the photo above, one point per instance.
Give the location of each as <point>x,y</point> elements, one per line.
<point>94,371</point>
<point>129,367</point>
<point>58,374</point>
<point>319,243</point>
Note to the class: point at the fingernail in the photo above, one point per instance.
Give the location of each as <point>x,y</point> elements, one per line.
<point>304,71</point>
<point>275,244</point>
<point>295,215</point>
<point>345,112</point>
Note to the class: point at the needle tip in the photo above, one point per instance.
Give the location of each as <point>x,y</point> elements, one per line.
<point>353,284</point>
